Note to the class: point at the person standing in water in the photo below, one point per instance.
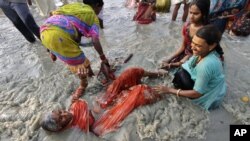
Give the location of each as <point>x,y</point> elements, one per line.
<point>17,11</point>
<point>61,34</point>
<point>177,4</point>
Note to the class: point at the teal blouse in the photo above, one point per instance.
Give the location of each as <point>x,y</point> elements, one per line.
<point>209,79</point>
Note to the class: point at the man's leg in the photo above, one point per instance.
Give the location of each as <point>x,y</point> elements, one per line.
<point>23,12</point>
<point>185,12</point>
<point>175,12</point>
<point>12,15</point>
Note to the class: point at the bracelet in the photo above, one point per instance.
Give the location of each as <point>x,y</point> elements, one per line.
<point>102,57</point>
<point>178,92</point>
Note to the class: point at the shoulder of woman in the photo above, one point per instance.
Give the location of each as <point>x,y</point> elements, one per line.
<point>212,61</point>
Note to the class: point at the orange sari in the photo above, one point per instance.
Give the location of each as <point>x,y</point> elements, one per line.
<point>82,117</point>
<point>137,96</point>
<point>127,79</point>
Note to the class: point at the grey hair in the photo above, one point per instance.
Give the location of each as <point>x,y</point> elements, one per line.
<point>48,123</point>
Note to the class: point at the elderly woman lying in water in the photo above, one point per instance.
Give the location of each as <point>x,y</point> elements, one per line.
<point>122,96</point>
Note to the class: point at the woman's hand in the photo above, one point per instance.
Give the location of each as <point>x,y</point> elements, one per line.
<point>166,66</point>
<point>82,73</point>
<point>161,89</point>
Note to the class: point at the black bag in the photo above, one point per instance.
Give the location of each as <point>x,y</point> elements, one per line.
<point>182,80</point>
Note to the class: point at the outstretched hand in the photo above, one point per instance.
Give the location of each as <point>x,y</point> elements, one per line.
<point>105,66</point>
<point>160,89</point>
<point>165,66</point>
<point>82,73</point>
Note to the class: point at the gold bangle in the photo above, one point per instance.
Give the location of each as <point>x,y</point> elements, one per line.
<point>178,92</point>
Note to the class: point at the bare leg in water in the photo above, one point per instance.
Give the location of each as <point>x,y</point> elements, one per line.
<point>175,13</point>
<point>185,13</point>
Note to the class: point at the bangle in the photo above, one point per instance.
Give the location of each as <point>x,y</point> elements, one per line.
<point>178,92</point>
<point>102,57</point>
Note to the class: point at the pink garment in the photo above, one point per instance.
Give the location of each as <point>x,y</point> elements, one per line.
<point>145,14</point>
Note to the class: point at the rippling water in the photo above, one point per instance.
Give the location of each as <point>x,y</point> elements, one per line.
<point>30,84</point>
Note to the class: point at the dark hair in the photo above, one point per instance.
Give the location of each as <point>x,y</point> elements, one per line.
<point>99,3</point>
<point>211,34</point>
<point>204,6</point>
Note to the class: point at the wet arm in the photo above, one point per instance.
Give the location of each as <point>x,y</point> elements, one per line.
<point>185,93</point>
<point>97,46</point>
<point>153,74</point>
<point>101,23</point>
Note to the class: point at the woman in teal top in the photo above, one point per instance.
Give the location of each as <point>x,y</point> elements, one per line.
<point>201,78</point>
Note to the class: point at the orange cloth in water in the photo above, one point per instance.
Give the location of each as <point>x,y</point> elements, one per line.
<point>144,14</point>
<point>82,117</point>
<point>127,79</point>
<point>137,96</point>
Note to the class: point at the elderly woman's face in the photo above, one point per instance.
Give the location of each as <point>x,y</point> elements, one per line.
<point>199,46</point>
<point>62,118</point>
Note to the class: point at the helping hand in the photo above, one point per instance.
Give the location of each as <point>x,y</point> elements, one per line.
<point>82,73</point>
<point>160,89</point>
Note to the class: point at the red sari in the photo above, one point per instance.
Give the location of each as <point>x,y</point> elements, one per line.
<point>145,14</point>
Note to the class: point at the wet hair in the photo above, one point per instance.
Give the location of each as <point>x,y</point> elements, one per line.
<point>99,3</point>
<point>204,6</point>
<point>49,124</point>
<point>211,34</point>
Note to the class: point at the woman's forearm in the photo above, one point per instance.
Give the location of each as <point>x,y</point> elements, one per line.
<point>185,93</point>
<point>97,46</point>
